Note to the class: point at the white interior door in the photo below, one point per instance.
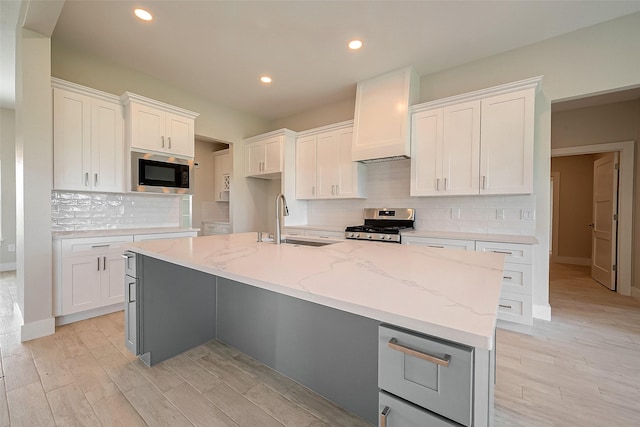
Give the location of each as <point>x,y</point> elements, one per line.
<point>605,214</point>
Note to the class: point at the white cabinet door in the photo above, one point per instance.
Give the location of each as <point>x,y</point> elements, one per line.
<point>273,155</point>
<point>72,140</point>
<point>222,169</point>
<point>255,158</point>
<point>426,152</point>
<point>327,165</point>
<point>347,172</point>
<point>111,277</point>
<point>306,167</point>
<point>506,157</point>
<point>81,283</point>
<point>461,149</point>
<point>147,127</point>
<point>107,146</point>
<point>180,135</point>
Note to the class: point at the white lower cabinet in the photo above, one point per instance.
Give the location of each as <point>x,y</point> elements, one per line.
<point>516,301</point>
<point>89,273</point>
<point>395,412</point>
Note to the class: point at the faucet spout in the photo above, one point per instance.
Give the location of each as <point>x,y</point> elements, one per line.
<point>280,214</point>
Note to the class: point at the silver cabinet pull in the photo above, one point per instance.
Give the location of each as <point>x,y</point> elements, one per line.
<point>100,246</point>
<point>86,179</point>
<point>445,184</point>
<point>383,416</point>
<point>104,262</point>
<point>442,361</point>
<point>436,246</point>
<point>437,184</point>
<point>337,189</point>
<point>98,264</point>
<point>484,182</point>
<point>95,179</point>
<point>503,252</point>
<point>169,142</point>
<point>504,306</point>
<point>507,277</point>
<point>162,141</point>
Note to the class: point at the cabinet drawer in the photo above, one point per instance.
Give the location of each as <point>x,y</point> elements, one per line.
<point>445,389</point>
<point>294,231</point>
<point>517,278</point>
<point>516,253</point>
<point>394,412</point>
<point>325,234</point>
<point>466,245</point>
<point>88,246</point>
<point>515,308</point>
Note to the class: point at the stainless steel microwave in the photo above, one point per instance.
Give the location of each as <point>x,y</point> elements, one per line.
<point>154,173</point>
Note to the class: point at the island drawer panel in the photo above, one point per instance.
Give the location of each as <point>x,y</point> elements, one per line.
<point>396,412</point>
<point>432,242</point>
<point>517,278</point>
<point>515,307</point>
<point>441,387</point>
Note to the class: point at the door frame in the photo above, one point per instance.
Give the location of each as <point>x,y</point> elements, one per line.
<point>555,214</point>
<point>625,202</point>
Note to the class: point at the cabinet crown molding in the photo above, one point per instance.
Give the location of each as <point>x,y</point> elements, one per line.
<point>83,90</point>
<point>531,83</point>
<point>128,97</point>
<point>326,128</point>
<point>279,132</point>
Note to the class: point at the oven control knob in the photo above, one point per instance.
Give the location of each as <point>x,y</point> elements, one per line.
<point>368,236</point>
<point>357,235</point>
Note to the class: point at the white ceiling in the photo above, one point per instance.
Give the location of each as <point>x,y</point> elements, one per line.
<point>218,49</point>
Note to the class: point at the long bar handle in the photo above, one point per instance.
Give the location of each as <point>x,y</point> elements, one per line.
<point>442,361</point>
<point>503,252</point>
<point>437,184</point>
<point>504,306</point>
<point>169,138</point>
<point>86,179</point>
<point>101,246</point>
<point>162,141</point>
<point>383,416</point>
<point>484,182</point>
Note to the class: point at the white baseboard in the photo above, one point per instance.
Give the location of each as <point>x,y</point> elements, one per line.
<point>542,312</point>
<point>83,315</point>
<point>37,329</point>
<point>570,260</point>
<point>7,266</point>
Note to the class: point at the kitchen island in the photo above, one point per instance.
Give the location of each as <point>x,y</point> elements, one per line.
<point>337,318</point>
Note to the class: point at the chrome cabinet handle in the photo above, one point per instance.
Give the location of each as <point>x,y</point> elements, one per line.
<point>169,142</point>
<point>503,252</point>
<point>437,184</point>
<point>86,179</point>
<point>162,141</point>
<point>445,184</point>
<point>383,416</point>
<point>95,180</point>
<point>442,361</point>
<point>104,262</point>
<point>100,246</point>
<point>98,263</point>
<point>484,182</point>
<point>337,189</point>
<point>507,277</point>
<point>436,246</point>
<point>504,306</point>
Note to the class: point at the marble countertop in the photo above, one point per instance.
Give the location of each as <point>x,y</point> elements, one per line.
<point>119,232</point>
<point>445,293</point>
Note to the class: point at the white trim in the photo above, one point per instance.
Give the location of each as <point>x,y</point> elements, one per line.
<point>555,225</point>
<point>625,202</point>
<point>88,314</point>
<point>542,311</point>
<point>7,266</point>
<point>326,128</point>
<point>570,260</point>
<point>280,132</point>
<point>128,97</point>
<point>83,90</point>
<point>37,329</point>
<point>533,82</point>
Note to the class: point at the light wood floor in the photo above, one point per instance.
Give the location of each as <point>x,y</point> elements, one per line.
<point>582,368</point>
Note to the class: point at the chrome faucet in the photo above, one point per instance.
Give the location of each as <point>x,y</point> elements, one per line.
<point>280,214</point>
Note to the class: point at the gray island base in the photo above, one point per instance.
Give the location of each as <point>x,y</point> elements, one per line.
<point>388,375</point>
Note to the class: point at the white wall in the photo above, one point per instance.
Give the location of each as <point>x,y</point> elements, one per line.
<point>8,195</point>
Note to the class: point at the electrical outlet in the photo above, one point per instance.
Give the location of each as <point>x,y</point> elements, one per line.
<point>500,213</point>
<point>527,215</point>
<point>11,247</point>
<point>455,213</point>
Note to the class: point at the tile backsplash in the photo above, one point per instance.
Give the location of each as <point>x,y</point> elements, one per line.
<point>388,186</point>
<point>76,211</point>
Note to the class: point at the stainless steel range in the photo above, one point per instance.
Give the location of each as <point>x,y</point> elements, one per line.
<point>382,224</point>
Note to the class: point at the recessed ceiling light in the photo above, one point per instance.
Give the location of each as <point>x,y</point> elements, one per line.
<point>355,44</point>
<point>265,79</point>
<point>143,14</point>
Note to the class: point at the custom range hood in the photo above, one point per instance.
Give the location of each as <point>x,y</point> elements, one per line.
<point>381,129</point>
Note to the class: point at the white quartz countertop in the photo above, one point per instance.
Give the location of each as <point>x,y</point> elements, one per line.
<point>445,293</point>
<point>119,232</point>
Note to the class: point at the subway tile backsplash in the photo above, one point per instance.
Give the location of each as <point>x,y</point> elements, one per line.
<point>75,211</point>
<point>388,186</point>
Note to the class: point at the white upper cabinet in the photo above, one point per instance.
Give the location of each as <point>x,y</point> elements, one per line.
<point>264,156</point>
<point>475,143</point>
<point>324,169</point>
<point>506,153</point>
<point>222,167</point>
<point>154,126</point>
<point>88,139</point>
<point>381,119</point>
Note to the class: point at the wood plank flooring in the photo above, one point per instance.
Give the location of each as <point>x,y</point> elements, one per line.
<point>582,368</point>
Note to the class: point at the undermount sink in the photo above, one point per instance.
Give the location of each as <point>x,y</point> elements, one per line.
<point>298,242</point>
